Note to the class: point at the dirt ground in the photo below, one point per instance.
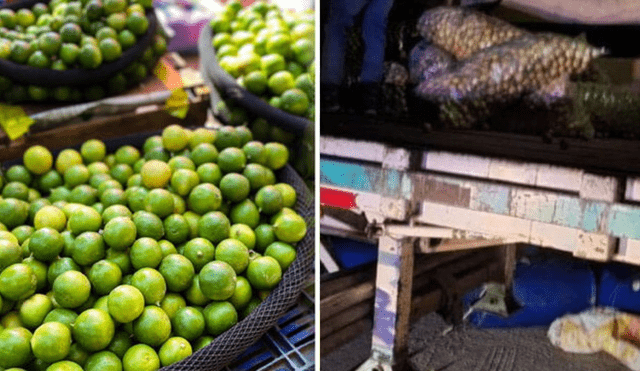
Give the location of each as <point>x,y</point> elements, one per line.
<point>471,349</point>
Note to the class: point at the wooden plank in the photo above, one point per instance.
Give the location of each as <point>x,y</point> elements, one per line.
<point>459,244</point>
<point>346,317</point>
<point>608,156</point>
<point>104,128</point>
<point>337,339</point>
<point>632,191</point>
<point>454,163</point>
<point>346,280</point>
<point>595,187</point>
<point>334,304</point>
<point>628,252</point>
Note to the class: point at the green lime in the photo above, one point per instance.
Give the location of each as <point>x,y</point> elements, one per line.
<point>269,200</point>
<point>183,181</point>
<point>199,251</point>
<point>232,160</point>
<point>127,155</point>
<point>18,282</point>
<point>148,225</point>
<point>234,187</point>
<point>121,172</point>
<point>121,343</point>
<point>77,355</point>
<point>10,253</point>
<point>245,212</point>
<point>103,361</point>
<point>188,323</point>
<point>34,309</point>
<point>13,213</point>
<point>38,159</point>
<point>145,253</point>
<point>16,190</point>
<point>151,283</point>
<point>153,327</point>
<point>64,366</point>
<point>84,219</point>
<point>242,294</point>
<point>120,258</point>
<point>277,155</point>
<point>181,162</point>
<point>244,234</point>
<point>284,253</point>
<point>214,226</point>
<point>203,153</point>
<point>88,248</point>
<point>127,39</point>
<point>126,303</point>
<point>155,174</point>
<point>226,137</point>
<point>76,175</point>
<point>136,197</point>
<point>46,244</point>
<point>89,56</point>
<point>174,138</point>
<point>83,194</point>
<point>71,289</point>
<point>219,317</point>
<point>59,266</point>
<point>115,211</point>
<point>6,235</point>
<point>217,280</point>
<point>140,357</point>
<point>11,320</point>
<point>209,173</point>
<point>259,176</point>
<point>39,269</point>
<point>18,173</point>
<point>113,196</point>
<point>253,304</point>
<point>61,315</point>
<point>51,342</point>
<point>119,233</point>
<point>159,202</point>
<point>264,273</point>
<point>172,303</point>
<point>174,350</point>
<point>194,294</point>
<point>255,152</point>
<point>167,247</point>
<point>104,276</point>
<point>102,303</point>
<point>234,253</point>
<point>22,232</point>
<point>204,198</point>
<point>93,150</point>
<point>137,23</point>
<point>158,153</point>
<point>202,342</point>
<point>178,272</point>
<point>15,347</point>
<point>294,101</point>
<point>93,329</point>
<point>290,227</point>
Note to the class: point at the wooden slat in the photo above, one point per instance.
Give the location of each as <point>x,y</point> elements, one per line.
<point>347,317</point>
<point>609,156</point>
<point>104,128</point>
<point>333,305</point>
<point>335,340</point>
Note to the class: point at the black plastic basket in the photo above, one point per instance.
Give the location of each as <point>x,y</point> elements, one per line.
<point>46,77</point>
<point>231,344</point>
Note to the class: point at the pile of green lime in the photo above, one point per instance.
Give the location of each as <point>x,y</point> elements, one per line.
<point>64,34</point>
<point>270,52</point>
<point>134,260</point>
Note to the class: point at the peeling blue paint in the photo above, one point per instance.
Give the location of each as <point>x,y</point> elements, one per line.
<point>491,198</point>
<point>393,180</point>
<point>594,214</point>
<point>567,212</point>
<point>624,221</point>
<point>345,175</point>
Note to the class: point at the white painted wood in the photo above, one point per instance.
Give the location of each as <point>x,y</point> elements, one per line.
<point>453,163</point>
<point>396,158</point>
<point>629,251</point>
<point>513,172</point>
<point>399,231</point>
<point>327,260</point>
<point>330,222</point>
<point>596,187</point>
<point>556,177</point>
<point>594,246</point>
<point>527,204</point>
<point>510,228</point>
<point>354,149</point>
<point>554,236</point>
<point>632,192</point>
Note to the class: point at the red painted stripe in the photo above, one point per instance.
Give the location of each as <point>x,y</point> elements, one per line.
<point>335,198</point>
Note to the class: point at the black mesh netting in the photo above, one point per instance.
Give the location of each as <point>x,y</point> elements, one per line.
<point>229,345</point>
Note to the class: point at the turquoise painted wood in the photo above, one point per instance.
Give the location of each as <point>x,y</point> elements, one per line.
<point>618,220</point>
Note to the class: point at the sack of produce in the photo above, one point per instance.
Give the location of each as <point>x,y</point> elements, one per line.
<point>178,251</point>
<point>70,51</point>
